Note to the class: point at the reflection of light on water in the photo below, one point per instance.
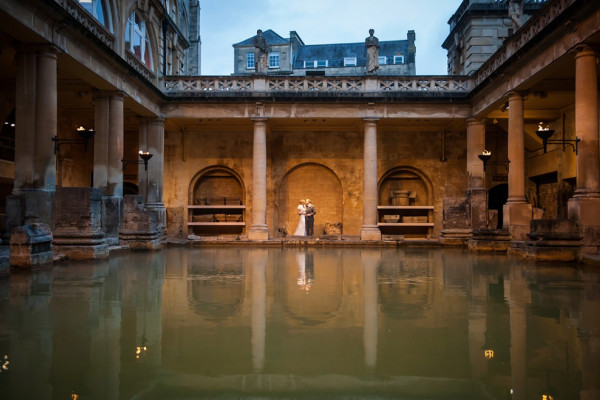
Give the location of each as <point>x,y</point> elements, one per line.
<point>140,351</point>
<point>74,396</point>
<point>5,362</point>
<point>489,354</point>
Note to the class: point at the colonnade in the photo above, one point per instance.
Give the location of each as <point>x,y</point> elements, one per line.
<point>586,201</point>
<point>32,198</point>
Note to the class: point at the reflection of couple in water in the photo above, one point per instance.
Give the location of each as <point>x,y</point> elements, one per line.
<point>306,270</point>
<point>306,211</point>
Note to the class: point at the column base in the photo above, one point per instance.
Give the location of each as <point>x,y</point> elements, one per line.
<point>586,212</point>
<point>258,232</point>
<point>370,232</point>
<point>112,216</point>
<point>517,219</point>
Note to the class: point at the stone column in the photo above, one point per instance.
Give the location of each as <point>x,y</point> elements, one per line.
<point>584,207</point>
<point>155,145</point>
<point>142,171</point>
<point>36,124</point>
<point>101,147</point>
<point>258,229</point>
<point>108,168</point>
<point>517,212</point>
<point>476,192</point>
<point>370,230</point>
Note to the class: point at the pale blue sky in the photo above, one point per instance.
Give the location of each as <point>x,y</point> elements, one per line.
<point>225,22</point>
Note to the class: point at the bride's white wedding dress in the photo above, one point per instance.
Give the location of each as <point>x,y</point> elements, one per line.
<point>300,230</point>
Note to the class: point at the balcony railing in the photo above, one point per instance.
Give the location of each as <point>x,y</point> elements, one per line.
<point>219,85</point>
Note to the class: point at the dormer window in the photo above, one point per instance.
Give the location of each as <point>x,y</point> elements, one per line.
<point>382,60</point>
<point>316,64</point>
<point>349,61</point>
<point>398,59</point>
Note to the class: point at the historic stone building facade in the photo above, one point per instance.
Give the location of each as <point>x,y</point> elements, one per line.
<point>381,156</point>
<point>290,56</point>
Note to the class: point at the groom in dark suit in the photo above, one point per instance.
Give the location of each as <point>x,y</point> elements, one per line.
<point>309,218</point>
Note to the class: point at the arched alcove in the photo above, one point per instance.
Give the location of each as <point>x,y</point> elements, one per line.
<point>405,203</point>
<point>216,203</point>
<point>322,186</point>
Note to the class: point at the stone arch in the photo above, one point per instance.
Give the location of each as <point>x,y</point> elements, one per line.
<point>406,178</point>
<point>221,180</point>
<point>318,183</point>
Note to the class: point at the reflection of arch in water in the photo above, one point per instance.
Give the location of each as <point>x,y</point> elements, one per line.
<point>405,288</point>
<point>406,178</point>
<point>316,182</point>
<point>323,300</point>
<point>216,284</point>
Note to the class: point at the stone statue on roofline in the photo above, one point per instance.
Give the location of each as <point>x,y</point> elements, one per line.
<point>372,45</point>
<point>261,50</point>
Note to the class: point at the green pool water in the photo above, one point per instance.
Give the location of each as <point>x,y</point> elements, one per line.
<point>252,323</point>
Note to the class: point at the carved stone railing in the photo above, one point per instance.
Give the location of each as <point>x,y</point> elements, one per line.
<point>533,27</point>
<point>216,85</point>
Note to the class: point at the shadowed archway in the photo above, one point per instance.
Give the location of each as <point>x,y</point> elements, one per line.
<point>318,183</point>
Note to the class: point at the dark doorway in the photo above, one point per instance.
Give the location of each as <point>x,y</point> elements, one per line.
<point>496,200</point>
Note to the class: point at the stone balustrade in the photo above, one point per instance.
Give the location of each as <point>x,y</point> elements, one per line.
<point>221,85</point>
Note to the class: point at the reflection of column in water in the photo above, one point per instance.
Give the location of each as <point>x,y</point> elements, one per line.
<point>589,335</point>
<point>258,262</point>
<point>370,260</point>
<point>478,323</point>
<point>518,297</point>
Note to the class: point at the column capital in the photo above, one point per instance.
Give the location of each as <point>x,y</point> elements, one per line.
<point>514,95</point>
<point>156,121</point>
<point>582,50</point>
<point>373,120</point>
<point>475,121</point>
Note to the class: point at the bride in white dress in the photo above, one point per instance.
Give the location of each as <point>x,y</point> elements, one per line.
<point>300,230</point>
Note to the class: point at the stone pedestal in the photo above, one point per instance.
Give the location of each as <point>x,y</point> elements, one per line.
<point>140,229</point>
<point>490,240</point>
<point>258,232</point>
<point>28,207</point>
<point>517,219</point>
<point>370,233</point>
<point>78,228</point>
<point>586,212</point>
<point>31,246</point>
<point>112,211</point>
<point>463,215</point>
<point>552,240</point>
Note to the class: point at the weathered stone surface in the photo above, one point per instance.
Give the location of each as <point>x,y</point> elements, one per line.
<point>78,229</point>
<point>31,245</point>
<point>112,209</point>
<point>140,229</point>
<point>175,224</point>
<point>488,240</point>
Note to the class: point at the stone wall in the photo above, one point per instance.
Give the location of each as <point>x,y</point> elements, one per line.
<point>320,163</point>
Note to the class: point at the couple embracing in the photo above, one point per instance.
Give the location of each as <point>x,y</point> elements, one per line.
<point>306,211</point>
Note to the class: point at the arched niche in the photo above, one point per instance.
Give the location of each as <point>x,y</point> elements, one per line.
<point>322,186</point>
<point>405,179</point>
<point>216,202</point>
